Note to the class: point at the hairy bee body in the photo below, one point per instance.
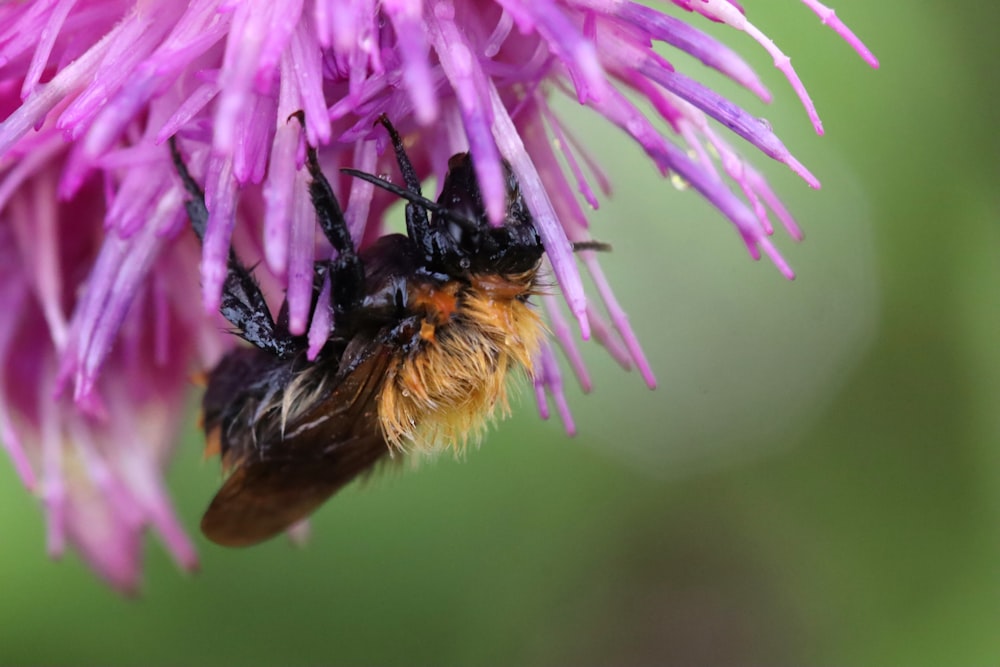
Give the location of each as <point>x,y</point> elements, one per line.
<point>428,327</point>
<point>450,346</point>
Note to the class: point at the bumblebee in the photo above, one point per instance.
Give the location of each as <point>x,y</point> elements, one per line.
<point>428,326</point>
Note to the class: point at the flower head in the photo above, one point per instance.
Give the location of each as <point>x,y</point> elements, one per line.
<point>98,268</point>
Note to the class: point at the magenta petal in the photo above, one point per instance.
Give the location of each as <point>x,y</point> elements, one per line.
<point>141,32</point>
<point>829,17</point>
<point>279,196</point>
<point>32,113</point>
<point>413,47</point>
<point>300,260</point>
<point>548,381</point>
<point>117,275</point>
<point>566,43</point>
<point>619,319</point>
<point>567,342</point>
<point>755,130</point>
<point>685,37</point>
<point>220,197</point>
<point>48,37</point>
<point>305,62</point>
<point>322,322</point>
<point>469,83</point>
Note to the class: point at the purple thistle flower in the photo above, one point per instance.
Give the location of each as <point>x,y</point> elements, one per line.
<point>98,271</point>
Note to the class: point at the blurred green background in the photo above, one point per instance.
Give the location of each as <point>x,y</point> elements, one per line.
<point>815,481</point>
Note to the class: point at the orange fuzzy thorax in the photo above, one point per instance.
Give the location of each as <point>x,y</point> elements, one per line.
<point>447,390</point>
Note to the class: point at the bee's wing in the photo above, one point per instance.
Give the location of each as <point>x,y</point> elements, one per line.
<point>328,447</point>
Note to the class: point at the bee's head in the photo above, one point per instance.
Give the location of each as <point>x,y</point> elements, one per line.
<point>454,234</point>
<point>461,240</point>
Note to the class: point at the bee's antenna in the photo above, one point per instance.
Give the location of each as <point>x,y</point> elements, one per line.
<point>599,246</point>
<point>412,197</point>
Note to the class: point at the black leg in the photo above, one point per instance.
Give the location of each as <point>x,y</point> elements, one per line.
<point>347,272</point>
<point>243,304</point>
<point>417,223</point>
<point>405,166</point>
<point>196,209</point>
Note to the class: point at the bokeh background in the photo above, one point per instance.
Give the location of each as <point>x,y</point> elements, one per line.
<point>815,481</point>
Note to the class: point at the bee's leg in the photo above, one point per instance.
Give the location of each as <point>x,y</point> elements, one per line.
<point>417,223</point>
<point>196,209</point>
<point>243,304</point>
<point>347,273</point>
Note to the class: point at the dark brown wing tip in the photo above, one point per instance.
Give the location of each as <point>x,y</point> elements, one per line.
<point>220,528</point>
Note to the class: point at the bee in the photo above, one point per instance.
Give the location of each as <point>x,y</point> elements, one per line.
<point>428,326</point>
